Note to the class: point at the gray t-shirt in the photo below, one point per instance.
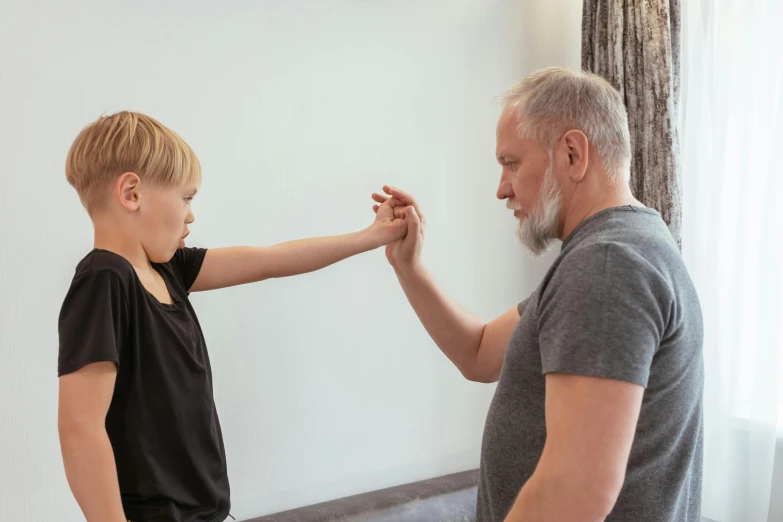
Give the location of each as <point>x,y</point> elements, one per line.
<point>617,303</point>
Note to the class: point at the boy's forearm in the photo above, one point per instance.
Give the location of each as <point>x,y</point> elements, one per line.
<point>225,267</point>
<point>308,255</point>
<point>92,474</point>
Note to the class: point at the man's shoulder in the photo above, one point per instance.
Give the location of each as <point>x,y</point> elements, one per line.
<point>608,265</point>
<point>624,238</point>
<point>609,255</point>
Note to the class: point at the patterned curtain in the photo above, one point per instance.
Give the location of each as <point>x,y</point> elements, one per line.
<point>635,45</point>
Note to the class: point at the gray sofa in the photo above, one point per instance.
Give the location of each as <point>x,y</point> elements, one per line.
<point>451,498</point>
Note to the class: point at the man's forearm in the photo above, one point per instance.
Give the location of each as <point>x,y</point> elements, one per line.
<point>456,331</point>
<point>92,474</point>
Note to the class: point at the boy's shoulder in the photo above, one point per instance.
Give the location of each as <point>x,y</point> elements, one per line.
<point>95,311</point>
<point>100,262</point>
<point>104,265</point>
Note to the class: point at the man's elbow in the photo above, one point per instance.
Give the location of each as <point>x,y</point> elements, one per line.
<point>475,373</point>
<point>590,498</point>
<point>603,503</point>
<point>597,500</point>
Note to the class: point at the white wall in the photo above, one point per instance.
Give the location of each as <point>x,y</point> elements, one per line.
<point>326,384</point>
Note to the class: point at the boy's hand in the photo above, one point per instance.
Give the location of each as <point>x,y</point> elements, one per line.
<point>387,227</point>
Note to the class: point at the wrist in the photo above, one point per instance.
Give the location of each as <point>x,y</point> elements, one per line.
<point>369,238</point>
<point>409,269</point>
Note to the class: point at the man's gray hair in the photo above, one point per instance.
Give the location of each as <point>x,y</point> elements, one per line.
<point>554,100</point>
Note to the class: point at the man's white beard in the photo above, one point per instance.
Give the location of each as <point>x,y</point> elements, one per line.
<point>538,229</point>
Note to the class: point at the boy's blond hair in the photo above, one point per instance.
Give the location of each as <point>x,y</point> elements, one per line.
<point>128,142</point>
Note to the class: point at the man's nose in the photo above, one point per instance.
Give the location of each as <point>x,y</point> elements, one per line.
<point>504,190</point>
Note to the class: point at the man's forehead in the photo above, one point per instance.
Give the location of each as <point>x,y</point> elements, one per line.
<point>508,138</point>
<point>507,119</point>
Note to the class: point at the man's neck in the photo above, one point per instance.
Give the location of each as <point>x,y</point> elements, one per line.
<point>587,201</point>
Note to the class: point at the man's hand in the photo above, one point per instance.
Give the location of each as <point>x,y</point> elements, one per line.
<point>406,252</point>
<point>475,347</point>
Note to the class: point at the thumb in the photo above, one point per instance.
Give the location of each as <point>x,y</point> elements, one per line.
<point>414,223</point>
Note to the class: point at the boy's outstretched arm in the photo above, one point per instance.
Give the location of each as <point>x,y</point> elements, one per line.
<point>224,267</point>
<point>85,396</point>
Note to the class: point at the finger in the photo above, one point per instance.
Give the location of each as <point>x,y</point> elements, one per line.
<point>404,197</point>
<point>380,198</point>
<point>375,208</point>
<point>394,203</point>
<point>412,218</point>
<point>399,194</point>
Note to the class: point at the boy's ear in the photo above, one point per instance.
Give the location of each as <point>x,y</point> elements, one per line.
<point>127,190</point>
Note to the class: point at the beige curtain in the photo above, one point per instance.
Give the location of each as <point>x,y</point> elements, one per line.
<point>635,45</point>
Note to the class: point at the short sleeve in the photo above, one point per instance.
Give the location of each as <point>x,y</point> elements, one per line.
<point>93,321</point>
<point>187,264</point>
<point>521,306</point>
<point>603,314</point>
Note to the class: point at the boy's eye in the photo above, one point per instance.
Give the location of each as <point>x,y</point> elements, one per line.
<point>188,199</point>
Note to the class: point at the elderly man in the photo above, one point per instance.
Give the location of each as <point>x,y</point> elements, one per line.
<point>597,413</point>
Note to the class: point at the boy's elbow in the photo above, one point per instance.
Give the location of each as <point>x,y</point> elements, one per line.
<point>72,428</point>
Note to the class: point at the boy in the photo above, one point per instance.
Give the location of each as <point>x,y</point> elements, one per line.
<point>139,432</point>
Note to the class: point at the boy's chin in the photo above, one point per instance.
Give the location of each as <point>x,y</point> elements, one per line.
<point>162,257</point>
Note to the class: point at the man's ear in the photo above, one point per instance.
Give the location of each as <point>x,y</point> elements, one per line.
<point>576,147</point>
<point>127,190</point>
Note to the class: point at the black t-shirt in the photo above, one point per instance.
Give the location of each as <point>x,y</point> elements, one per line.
<point>162,422</point>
